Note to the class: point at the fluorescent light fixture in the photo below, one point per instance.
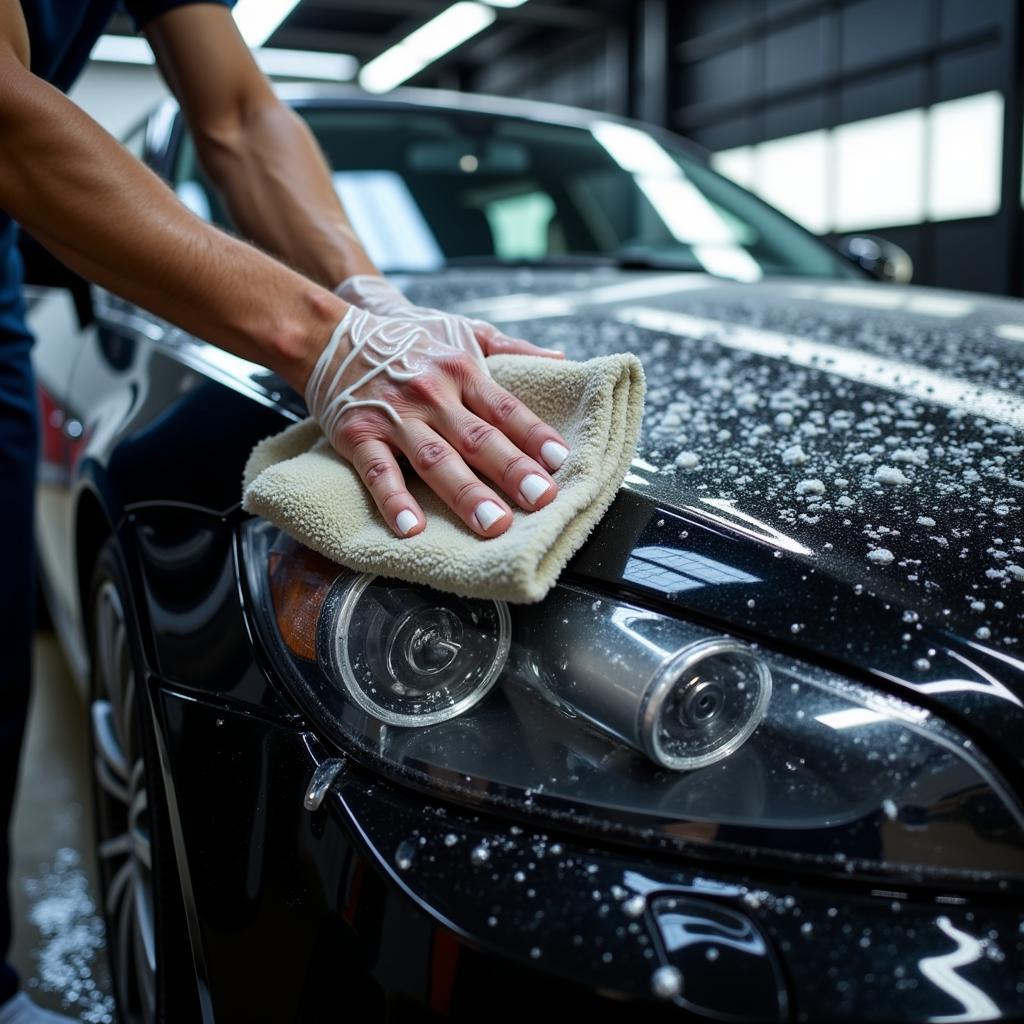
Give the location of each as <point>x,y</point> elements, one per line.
<point>450,29</point>
<point>330,67</point>
<point>793,175</point>
<point>257,19</point>
<point>965,157</point>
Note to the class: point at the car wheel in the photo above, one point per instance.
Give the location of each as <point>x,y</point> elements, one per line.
<point>139,887</point>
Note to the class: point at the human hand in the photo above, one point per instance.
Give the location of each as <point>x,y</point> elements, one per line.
<point>416,383</point>
<point>378,296</point>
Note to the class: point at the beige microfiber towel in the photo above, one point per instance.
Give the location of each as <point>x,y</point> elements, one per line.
<point>296,481</point>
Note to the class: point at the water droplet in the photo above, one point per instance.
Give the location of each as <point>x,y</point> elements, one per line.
<point>480,855</point>
<point>404,855</point>
<point>451,839</point>
<point>806,928</point>
<point>634,906</point>
<point>890,809</point>
<point>922,664</point>
<point>667,982</point>
<point>983,633</point>
<point>535,953</point>
<point>711,953</point>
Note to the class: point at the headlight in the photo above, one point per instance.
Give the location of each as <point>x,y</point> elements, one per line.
<point>642,677</point>
<point>609,716</point>
<point>410,656</point>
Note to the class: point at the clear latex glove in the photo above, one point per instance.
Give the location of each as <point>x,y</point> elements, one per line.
<point>379,296</point>
<point>415,383</point>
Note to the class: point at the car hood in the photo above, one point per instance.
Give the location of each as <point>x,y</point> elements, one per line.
<point>857,449</point>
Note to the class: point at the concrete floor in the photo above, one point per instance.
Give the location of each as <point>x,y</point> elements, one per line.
<point>58,942</point>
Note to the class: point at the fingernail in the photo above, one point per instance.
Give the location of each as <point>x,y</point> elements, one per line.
<point>554,453</point>
<point>532,487</point>
<point>488,513</point>
<point>406,521</point>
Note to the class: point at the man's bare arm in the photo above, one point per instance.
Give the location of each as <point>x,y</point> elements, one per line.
<point>260,154</point>
<point>109,218</point>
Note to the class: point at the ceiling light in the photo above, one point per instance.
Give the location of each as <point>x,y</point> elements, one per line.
<point>257,19</point>
<point>330,67</point>
<point>451,28</point>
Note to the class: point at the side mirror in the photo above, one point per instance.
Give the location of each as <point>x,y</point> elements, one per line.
<point>882,259</point>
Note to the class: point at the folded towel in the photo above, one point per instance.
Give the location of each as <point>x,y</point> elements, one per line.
<point>297,482</point>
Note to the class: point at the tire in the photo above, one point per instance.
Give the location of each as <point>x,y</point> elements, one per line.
<point>150,961</point>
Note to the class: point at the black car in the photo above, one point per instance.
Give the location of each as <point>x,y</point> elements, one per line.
<point>758,756</point>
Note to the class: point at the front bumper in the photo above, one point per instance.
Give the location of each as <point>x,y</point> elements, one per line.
<point>389,905</point>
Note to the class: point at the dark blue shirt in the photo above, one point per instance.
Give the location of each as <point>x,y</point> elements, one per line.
<point>62,32</point>
<point>61,35</point>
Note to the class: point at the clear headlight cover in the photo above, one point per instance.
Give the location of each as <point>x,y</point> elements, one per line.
<point>609,716</point>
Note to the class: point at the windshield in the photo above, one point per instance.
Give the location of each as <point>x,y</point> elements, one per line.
<point>427,188</point>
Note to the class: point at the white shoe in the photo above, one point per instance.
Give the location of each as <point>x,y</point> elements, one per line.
<point>21,1010</point>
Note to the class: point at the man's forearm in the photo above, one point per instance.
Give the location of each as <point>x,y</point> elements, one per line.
<point>112,220</point>
<point>278,188</point>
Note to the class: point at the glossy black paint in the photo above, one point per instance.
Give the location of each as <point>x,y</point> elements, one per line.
<point>309,916</point>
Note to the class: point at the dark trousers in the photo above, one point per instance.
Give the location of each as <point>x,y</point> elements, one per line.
<point>18,448</point>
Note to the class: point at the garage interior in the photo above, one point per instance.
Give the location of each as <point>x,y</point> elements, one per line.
<point>902,120</point>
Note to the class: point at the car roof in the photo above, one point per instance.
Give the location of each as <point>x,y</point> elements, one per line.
<point>299,94</point>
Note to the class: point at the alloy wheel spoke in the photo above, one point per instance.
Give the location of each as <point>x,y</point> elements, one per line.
<point>144,921</point>
<point>121,680</point>
<point>109,782</point>
<point>125,947</point>
<point>138,828</point>
<point>116,846</point>
<point>117,891</point>
<point>108,744</point>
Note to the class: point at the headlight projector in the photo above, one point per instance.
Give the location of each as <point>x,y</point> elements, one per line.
<point>408,655</point>
<point>645,679</point>
<point>704,704</point>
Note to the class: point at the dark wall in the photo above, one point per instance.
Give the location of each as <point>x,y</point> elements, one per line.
<point>731,73</point>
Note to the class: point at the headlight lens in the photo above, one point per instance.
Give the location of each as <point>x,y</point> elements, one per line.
<point>612,716</point>
<point>409,656</point>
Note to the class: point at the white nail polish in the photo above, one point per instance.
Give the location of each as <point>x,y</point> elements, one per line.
<point>532,487</point>
<point>406,521</point>
<point>554,453</point>
<point>488,513</point>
